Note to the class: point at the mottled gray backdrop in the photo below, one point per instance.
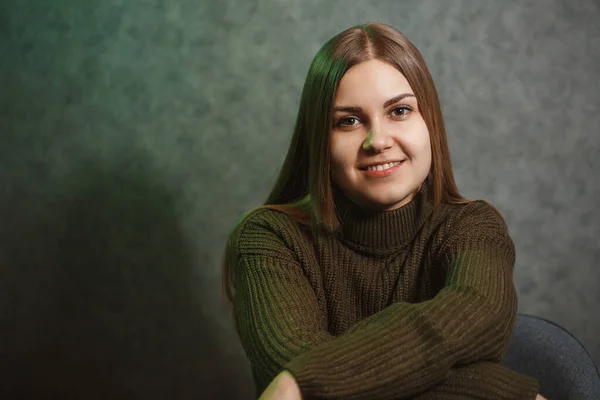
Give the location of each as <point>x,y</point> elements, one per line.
<point>134,134</point>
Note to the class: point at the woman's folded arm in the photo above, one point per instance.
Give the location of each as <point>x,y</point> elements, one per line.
<point>402,351</point>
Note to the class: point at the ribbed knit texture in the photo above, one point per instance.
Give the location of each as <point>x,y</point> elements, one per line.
<point>399,304</point>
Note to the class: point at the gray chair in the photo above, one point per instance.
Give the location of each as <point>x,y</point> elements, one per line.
<point>549,353</point>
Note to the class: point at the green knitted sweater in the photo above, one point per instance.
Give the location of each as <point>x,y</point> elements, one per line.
<point>400,304</point>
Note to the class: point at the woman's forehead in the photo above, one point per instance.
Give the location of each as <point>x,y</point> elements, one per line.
<point>371,80</point>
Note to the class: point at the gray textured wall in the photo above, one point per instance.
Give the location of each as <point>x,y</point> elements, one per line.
<point>134,134</point>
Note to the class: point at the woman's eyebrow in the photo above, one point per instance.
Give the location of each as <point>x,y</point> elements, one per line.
<point>354,109</point>
<point>397,99</point>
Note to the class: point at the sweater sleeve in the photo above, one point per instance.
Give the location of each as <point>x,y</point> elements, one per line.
<point>276,309</point>
<point>400,352</point>
<point>483,381</point>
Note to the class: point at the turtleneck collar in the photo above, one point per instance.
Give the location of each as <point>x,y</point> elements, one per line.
<point>381,230</point>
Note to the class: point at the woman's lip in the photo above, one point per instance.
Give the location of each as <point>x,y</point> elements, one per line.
<point>384,173</point>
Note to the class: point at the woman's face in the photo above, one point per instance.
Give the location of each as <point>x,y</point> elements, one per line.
<point>380,148</point>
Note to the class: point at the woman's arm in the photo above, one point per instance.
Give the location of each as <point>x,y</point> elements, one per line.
<point>402,351</point>
<point>482,381</point>
<point>276,309</point>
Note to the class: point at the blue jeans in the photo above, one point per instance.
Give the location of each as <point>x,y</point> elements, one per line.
<point>547,352</point>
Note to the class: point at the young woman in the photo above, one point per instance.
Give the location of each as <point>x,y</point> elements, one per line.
<point>366,275</point>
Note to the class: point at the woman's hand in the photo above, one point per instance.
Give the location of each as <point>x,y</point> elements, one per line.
<point>283,387</point>
<point>540,397</point>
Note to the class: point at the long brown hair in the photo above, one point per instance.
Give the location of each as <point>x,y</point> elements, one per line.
<point>303,188</point>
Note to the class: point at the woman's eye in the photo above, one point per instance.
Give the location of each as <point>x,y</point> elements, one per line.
<point>347,121</point>
<point>401,111</point>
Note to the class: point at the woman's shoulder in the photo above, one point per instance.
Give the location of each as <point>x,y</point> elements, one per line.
<point>471,210</point>
<point>470,216</point>
<point>267,217</point>
<point>267,224</point>
<point>474,224</point>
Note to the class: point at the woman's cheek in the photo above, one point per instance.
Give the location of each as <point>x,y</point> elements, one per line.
<point>338,152</point>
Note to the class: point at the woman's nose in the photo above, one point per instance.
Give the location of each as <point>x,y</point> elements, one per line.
<point>377,140</point>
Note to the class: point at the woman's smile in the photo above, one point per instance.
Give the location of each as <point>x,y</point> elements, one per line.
<point>382,170</point>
